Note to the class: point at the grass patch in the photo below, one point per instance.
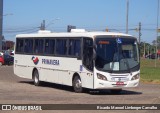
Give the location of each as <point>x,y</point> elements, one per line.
<point>150,73</point>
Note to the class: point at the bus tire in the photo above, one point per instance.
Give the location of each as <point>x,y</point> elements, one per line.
<point>36,78</point>
<point>77,84</point>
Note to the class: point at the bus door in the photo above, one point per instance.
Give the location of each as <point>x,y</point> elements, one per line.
<point>87,76</point>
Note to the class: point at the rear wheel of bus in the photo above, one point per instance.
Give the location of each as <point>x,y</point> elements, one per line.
<point>36,78</point>
<point>77,84</point>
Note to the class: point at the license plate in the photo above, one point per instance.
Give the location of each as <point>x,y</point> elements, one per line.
<point>119,83</point>
<point>119,79</point>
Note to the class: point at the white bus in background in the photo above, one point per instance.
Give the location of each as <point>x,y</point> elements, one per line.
<point>94,60</point>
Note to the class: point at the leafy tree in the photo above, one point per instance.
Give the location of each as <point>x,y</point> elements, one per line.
<point>158,42</point>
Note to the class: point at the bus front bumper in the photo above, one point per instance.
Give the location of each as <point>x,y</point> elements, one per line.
<point>101,84</point>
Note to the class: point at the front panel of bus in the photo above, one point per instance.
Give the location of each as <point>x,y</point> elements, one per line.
<point>116,62</point>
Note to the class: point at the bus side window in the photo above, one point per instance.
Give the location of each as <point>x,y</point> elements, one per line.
<point>74,47</point>
<point>88,53</point>
<point>38,46</point>
<point>19,45</point>
<point>28,47</point>
<point>49,46</point>
<point>61,46</point>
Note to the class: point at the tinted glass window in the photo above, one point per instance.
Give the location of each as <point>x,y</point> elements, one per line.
<point>116,54</point>
<point>19,45</point>
<point>38,46</point>
<point>49,46</point>
<point>61,46</point>
<point>28,47</point>
<point>74,47</point>
<point>88,53</point>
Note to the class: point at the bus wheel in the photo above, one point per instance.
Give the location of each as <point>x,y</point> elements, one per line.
<point>36,78</point>
<point>77,84</point>
<point>116,91</point>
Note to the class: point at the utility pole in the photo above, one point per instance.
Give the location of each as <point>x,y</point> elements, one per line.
<point>148,50</point>
<point>127,17</point>
<point>1,24</point>
<point>140,34</point>
<point>144,54</point>
<point>157,34</point>
<point>43,26</point>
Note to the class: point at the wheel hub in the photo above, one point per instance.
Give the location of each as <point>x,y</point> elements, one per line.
<point>78,84</point>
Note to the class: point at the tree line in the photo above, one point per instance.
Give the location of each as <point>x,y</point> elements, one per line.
<point>148,49</point>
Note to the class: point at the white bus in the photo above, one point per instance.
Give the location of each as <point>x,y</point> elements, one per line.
<point>92,60</point>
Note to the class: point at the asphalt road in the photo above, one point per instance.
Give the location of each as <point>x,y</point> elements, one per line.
<point>15,90</point>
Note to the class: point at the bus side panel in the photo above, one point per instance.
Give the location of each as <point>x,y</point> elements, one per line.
<point>56,76</point>
<point>65,78</point>
<point>21,67</point>
<point>60,73</point>
<point>19,71</point>
<point>66,69</point>
<point>49,75</point>
<point>87,80</point>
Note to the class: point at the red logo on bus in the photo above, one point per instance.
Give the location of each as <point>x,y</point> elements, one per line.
<point>35,60</point>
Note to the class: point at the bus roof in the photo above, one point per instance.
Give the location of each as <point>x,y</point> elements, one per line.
<point>71,34</point>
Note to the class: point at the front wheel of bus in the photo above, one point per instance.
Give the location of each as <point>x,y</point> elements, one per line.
<point>77,84</point>
<point>36,78</point>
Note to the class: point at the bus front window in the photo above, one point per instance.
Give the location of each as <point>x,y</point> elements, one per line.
<point>116,54</point>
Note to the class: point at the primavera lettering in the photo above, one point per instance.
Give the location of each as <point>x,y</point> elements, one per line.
<point>50,61</point>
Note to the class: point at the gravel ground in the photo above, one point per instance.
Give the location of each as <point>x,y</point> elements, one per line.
<point>15,90</point>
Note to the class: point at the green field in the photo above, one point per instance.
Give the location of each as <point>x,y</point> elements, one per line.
<point>150,73</point>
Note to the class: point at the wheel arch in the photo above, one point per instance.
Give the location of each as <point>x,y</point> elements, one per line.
<point>74,75</point>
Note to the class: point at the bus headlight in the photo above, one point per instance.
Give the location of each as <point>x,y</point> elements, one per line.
<point>102,77</point>
<point>135,77</point>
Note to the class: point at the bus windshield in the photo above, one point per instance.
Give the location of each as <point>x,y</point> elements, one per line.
<point>116,54</point>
